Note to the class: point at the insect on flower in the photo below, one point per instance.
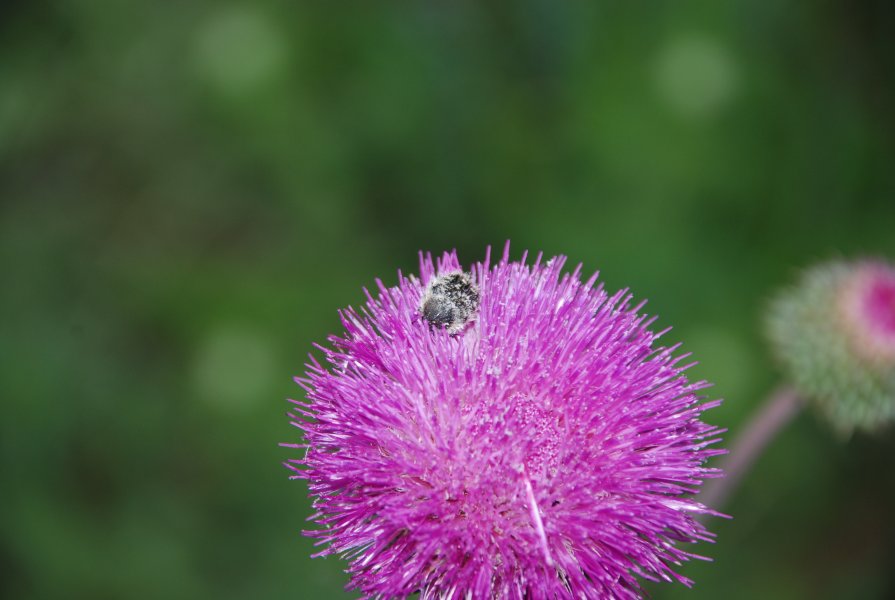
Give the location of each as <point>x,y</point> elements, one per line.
<point>505,431</point>
<point>450,301</point>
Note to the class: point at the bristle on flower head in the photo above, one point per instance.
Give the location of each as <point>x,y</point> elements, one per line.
<point>834,333</point>
<point>544,448</point>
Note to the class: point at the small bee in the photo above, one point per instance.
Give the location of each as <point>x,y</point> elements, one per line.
<point>450,301</point>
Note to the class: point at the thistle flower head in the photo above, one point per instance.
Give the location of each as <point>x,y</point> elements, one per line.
<point>536,443</point>
<point>834,334</point>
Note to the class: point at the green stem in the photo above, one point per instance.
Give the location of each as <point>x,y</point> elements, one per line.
<point>776,412</point>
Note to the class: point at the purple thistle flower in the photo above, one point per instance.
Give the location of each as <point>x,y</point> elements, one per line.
<point>538,445</point>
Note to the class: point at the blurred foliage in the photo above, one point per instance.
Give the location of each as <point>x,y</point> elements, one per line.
<point>189,190</point>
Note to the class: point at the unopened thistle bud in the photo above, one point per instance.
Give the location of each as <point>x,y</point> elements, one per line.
<point>834,333</point>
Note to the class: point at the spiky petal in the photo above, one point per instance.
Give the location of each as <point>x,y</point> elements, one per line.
<point>549,450</point>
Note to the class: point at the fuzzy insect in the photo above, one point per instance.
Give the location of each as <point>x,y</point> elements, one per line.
<point>450,301</point>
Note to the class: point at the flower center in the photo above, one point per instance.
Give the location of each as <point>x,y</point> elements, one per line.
<point>532,430</point>
<point>879,303</point>
<point>539,427</point>
<point>869,303</point>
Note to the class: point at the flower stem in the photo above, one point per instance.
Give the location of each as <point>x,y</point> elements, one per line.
<point>776,412</point>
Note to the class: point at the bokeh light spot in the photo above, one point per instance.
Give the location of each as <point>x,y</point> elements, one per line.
<point>695,76</point>
<point>238,50</point>
<point>233,368</point>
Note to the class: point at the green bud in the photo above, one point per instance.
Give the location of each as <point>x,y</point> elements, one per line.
<point>834,335</point>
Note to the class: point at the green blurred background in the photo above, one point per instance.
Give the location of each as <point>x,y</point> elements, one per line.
<point>189,191</point>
